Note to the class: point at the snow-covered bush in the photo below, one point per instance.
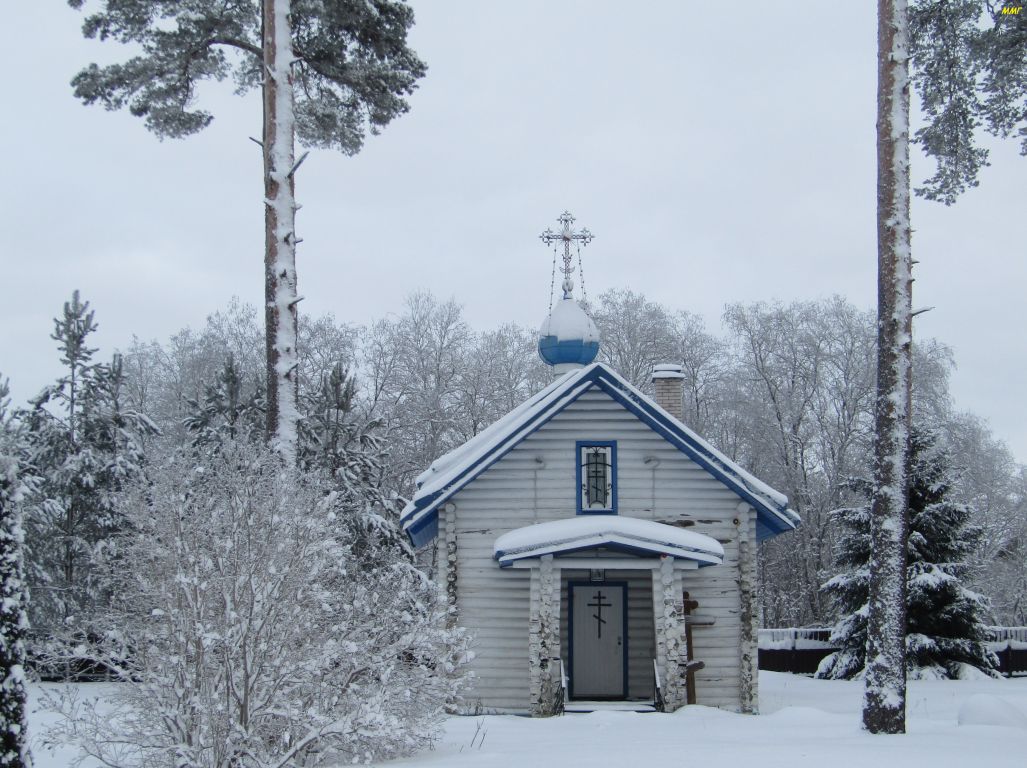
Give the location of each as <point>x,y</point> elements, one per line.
<point>945,620</point>
<point>257,635</point>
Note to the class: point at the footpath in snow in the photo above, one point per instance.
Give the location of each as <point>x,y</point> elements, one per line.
<point>804,723</point>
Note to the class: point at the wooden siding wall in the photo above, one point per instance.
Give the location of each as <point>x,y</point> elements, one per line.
<point>517,491</point>
<point>641,630</point>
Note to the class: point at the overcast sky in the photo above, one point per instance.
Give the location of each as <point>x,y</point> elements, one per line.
<point>719,152</point>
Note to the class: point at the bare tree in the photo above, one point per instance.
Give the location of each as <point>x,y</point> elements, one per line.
<point>703,359</point>
<point>636,334</point>
<point>803,403</point>
<point>413,369</point>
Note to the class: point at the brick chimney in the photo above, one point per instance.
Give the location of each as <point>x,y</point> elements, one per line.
<point>668,382</point>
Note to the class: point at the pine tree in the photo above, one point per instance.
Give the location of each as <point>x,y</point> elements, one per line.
<point>228,411</point>
<point>347,453</point>
<point>329,71</point>
<point>83,444</point>
<point>970,71</point>
<point>945,626</point>
<point>884,694</point>
<point>14,751</point>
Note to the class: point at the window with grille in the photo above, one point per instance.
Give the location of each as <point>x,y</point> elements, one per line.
<point>597,481</point>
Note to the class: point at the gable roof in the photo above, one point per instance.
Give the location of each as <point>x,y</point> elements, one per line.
<point>451,472</point>
<point>621,534</point>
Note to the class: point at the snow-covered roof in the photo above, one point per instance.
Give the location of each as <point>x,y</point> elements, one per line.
<point>627,534</point>
<point>451,472</point>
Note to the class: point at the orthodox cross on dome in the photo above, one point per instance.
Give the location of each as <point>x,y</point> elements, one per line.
<point>567,236</point>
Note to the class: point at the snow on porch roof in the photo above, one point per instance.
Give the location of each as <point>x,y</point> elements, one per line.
<point>451,472</point>
<point>627,534</point>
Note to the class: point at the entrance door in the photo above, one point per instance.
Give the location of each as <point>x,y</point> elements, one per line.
<point>598,630</point>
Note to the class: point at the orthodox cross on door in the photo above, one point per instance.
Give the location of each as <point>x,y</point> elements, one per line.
<point>566,235</point>
<point>599,597</point>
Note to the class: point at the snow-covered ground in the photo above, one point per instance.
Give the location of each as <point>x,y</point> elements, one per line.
<point>804,722</point>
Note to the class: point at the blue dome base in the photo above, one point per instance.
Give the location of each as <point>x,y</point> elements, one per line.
<point>575,351</point>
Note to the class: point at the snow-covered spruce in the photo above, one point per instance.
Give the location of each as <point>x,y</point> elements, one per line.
<point>14,752</point>
<point>250,632</point>
<point>945,620</point>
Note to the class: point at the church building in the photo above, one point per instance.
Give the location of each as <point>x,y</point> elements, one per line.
<point>601,553</point>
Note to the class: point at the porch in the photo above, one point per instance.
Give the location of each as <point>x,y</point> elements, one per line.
<point>607,622</point>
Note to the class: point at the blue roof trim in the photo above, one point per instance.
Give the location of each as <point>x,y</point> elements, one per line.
<point>424,530</point>
<point>489,458</point>
<point>616,547</point>
<point>767,520</point>
<point>768,524</point>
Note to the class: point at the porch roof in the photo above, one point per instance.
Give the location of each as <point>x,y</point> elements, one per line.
<point>624,534</point>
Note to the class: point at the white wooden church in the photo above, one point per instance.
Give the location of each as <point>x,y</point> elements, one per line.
<point>597,548</point>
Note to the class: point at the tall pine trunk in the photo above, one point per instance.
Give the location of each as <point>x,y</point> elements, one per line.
<point>884,699</point>
<point>280,228</point>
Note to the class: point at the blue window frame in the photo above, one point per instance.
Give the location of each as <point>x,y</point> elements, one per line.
<point>596,463</point>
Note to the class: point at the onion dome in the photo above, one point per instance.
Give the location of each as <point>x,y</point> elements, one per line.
<point>568,337</point>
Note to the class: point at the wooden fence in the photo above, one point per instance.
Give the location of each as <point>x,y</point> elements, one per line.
<point>1010,645</point>
<point>800,650</point>
<point>794,650</point>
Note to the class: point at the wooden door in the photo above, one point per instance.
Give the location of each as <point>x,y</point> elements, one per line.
<point>598,630</point>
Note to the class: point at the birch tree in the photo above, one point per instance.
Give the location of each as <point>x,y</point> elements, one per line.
<point>329,72</point>
<point>884,699</point>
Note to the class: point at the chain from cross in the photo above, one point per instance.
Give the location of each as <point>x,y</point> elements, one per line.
<point>567,236</point>
<point>598,615</point>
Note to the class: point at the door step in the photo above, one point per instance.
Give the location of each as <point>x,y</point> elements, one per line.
<point>579,707</point>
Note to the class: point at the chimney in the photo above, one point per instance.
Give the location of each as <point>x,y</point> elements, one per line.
<point>668,381</point>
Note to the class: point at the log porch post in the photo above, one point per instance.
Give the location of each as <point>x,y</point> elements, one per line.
<point>749,693</point>
<point>668,613</point>
<point>544,639</point>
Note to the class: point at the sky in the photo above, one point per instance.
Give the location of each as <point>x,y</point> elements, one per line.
<point>719,152</point>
